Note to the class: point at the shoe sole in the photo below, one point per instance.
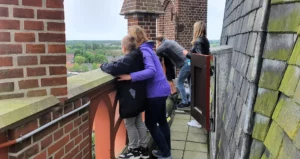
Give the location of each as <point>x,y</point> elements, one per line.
<point>144,157</point>
<point>137,157</point>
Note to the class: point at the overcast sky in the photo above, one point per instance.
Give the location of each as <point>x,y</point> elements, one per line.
<point>100,19</point>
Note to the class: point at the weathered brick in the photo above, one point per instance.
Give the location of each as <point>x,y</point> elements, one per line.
<point>53,59</point>
<point>73,152</point>
<point>56,48</point>
<point>60,153</point>
<point>69,146</point>
<point>10,48</point>
<point>14,2</point>
<point>74,133</point>
<point>33,150</point>
<point>33,25</point>
<point>68,128</point>
<point>10,96</point>
<point>45,132</point>
<point>59,91</point>
<point>11,73</point>
<point>25,84</point>
<point>6,61</point>
<point>35,3</point>
<point>23,129</point>
<point>59,144</point>
<point>20,146</point>
<point>3,12</point>
<point>38,71</point>
<point>10,24</point>
<point>23,13</point>
<point>51,37</point>
<point>58,70</point>
<point>35,48</point>
<point>44,119</point>
<point>37,93</point>
<point>58,134</point>
<point>50,14</point>
<point>24,37</point>
<point>55,4</point>
<point>53,26</point>
<point>41,155</point>
<point>27,60</point>
<point>7,87</point>
<point>55,81</point>
<point>4,37</point>
<point>46,142</point>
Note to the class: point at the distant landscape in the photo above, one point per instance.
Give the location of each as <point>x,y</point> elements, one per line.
<point>86,55</point>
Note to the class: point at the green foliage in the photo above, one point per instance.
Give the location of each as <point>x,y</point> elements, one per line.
<point>94,66</point>
<point>79,59</point>
<point>76,67</point>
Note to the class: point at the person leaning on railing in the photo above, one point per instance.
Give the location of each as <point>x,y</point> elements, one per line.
<point>200,46</point>
<point>158,90</point>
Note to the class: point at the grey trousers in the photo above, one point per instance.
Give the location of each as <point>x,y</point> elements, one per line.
<point>137,132</point>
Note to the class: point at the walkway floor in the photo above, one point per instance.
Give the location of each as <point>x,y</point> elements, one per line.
<point>187,142</point>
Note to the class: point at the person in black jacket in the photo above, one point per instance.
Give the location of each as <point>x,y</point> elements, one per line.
<point>132,98</point>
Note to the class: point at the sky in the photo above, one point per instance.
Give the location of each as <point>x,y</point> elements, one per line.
<point>100,19</point>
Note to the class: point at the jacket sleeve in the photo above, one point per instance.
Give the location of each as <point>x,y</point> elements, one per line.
<point>198,47</point>
<point>160,50</point>
<point>149,70</point>
<point>119,67</point>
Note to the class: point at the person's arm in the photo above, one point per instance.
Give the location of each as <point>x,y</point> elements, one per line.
<point>160,50</point>
<point>149,70</point>
<point>119,67</point>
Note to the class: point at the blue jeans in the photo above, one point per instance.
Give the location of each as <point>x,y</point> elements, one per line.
<point>184,73</point>
<point>156,113</point>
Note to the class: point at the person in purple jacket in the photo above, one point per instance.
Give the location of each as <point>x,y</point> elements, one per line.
<point>158,89</point>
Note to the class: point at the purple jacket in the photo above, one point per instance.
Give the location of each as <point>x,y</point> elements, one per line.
<point>157,84</point>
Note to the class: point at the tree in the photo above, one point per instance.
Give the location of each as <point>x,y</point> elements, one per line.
<point>94,66</point>
<point>100,58</point>
<point>84,68</point>
<point>79,59</point>
<point>76,67</point>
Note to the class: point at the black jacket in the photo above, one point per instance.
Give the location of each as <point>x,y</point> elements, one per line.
<point>131,95</point>
<point>201,46</point>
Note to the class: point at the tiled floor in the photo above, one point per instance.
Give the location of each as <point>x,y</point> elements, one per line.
<point>187,142</point>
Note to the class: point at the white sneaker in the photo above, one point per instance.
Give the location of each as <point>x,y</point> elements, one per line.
<point>194,123</point>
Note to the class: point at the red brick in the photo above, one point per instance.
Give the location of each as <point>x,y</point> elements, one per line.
<point>86,132</point>
<point>50,14</point>
<point>74,133</point>
<point>72,153</point>
<point>10,24</point>
<point>54,81</point>
<point>69,119</point>
<point>42,155</point>
<point>55,4</point>
<point>53,26</point>
<point>24,37</point>
<point>85,150</point>
<point>27,60</point>
<point>11,73</point>
<point>33,25</point>
<point>35,3</point>
<point>85,117</point>
<point>38,71</point>
<point>58,70</point>
<point>23,13</point>
<point>58,134</point>
<point>44,119</point>
<point>57,113</point>
<point>3,12</point>
<point>87,156</point>
<point>78,139</point>
<point>68,108</point>
<point>69,146</point>
<point>45,132</point>
<point>59,91</point>
<point>68,128</point>
<point>78,103</point>
<point>7,87</point>
<point>6,61</point>
<point>77,122</point>
<point>4,36</point>
<point>25,84</point>
<point>37,93</point>
<point>78,156</point>
<point>59,154</point>
<point>53,59</point>
<point>59,144</point>
<point>15,2</point>
<point>10,96</point>
<point>84,143</point>
<point>84,126</point>
<point>57,48</point>
<point>31,151</point>
<point>51,37</point>
<point>23,129</point>
<point>46,142</point>
<point>10,49</point>
<point>35,48</point>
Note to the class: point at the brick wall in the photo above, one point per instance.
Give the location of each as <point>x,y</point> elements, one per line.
<point>133,6</point>
<point>167,21</point>
<point>69,138</point>
<point>32,48</point>
<point>146,21</point>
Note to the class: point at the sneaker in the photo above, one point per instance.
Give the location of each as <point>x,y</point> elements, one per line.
<point>156,153</point>
<point>194,123</point>
<point>131,154</point>
<point>144,152</point>
<point>183,106</point>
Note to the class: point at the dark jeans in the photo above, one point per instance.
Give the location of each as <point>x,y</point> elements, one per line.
<point>156,113</point>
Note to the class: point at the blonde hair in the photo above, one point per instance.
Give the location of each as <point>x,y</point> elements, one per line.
<point>139,34</point>
<point>199,31</point>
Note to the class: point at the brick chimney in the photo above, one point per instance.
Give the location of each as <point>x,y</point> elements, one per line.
<point>32,49</point>
<point>143,13</point>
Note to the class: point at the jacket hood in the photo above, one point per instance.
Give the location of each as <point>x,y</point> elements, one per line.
<point>149,44</point>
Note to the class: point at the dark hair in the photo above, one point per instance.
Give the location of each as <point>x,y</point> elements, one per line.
<point>160,38</point>
<point>129,43</point>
